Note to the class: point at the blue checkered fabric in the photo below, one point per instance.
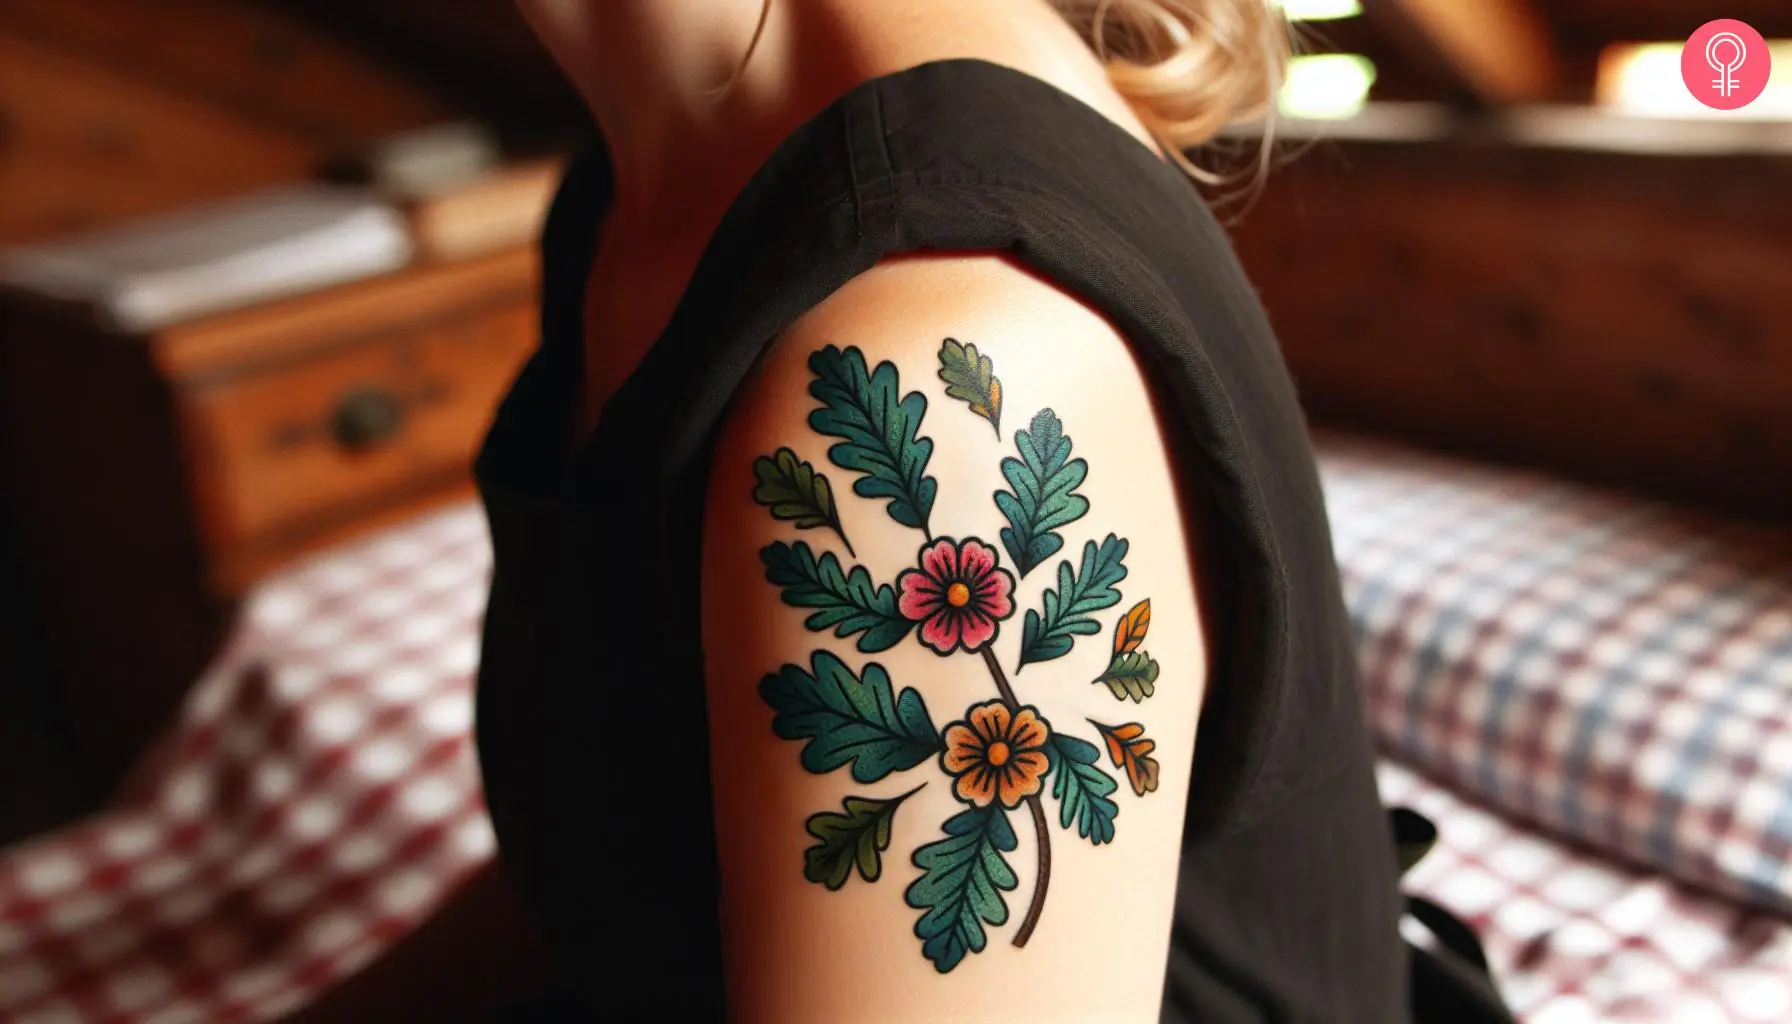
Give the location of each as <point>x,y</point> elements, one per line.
<point>1615,670</point>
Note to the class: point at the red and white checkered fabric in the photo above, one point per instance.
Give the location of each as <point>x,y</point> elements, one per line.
<point>1616,670</point>
<point>1575,939</point>
<point>300,818</point>
<point>303,818</point>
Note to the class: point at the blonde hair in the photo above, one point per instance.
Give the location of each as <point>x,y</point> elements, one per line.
<point>1191,68</point>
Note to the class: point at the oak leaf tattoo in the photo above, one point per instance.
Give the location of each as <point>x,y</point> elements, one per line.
<point>1001,757</point>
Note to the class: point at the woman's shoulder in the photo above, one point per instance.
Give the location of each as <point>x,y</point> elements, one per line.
<point>948,588</point>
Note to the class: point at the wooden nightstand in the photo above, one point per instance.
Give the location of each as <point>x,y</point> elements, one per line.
<point>155,478</point>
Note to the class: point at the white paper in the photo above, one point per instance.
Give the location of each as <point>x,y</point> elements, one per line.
<point>149,274</point>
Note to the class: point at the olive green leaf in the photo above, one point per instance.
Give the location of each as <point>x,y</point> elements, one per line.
<point>970,378</point>
<point>856,839</point>
<point>1133,674</point>
<point>795,492</point>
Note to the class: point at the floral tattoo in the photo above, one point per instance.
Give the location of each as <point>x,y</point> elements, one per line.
<point>1002,754</point>
<point>958,595</point>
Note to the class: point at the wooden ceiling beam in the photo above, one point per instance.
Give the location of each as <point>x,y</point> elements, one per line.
<point>1497,51</point>
<point>1589,25</point>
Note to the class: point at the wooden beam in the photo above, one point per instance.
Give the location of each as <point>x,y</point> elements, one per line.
<point>1498,51</point>
<point>1591,24</point>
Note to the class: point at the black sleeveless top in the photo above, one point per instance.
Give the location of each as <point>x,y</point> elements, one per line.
<point>591,711</point>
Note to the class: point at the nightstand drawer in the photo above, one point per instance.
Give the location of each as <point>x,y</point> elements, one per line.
<point>285,451</point>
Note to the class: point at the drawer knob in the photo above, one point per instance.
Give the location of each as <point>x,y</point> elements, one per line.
<point>367,416</point>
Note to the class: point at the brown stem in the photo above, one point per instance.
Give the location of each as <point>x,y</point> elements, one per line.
<point>1031,921</point>
<point>1040,827</point>
<point>995,671</point>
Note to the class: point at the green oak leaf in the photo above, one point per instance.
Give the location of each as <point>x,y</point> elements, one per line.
<point>877,427</point>
<point>856,839</point>
<point>846,602</point>
<point>1041,502</point>
<point>1133,674</point>
<point>848,719</point>
<point>961,886</point>
<point>970,378</point>
<point>795,492</point>
<point>1068,610</point>
<point>1082,788</point>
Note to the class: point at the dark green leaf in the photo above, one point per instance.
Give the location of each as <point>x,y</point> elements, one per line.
<point>845,602</point>
<point>849,719</point>
<point>1133,674</point>
<point>857,838</point>
<point>962,883</point>
<point>794,492</point>
<point>877,426</point>
<point>1068,610</point>
<point>1043,479</point>
<point>1082,788</point>
<point>970,378</point>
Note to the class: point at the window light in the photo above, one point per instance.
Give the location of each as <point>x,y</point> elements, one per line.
<point>1321,10</point>
<point>1644,78</point>
<point>1327,85</point>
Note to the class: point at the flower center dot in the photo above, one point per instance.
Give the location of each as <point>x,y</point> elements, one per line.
<point>958,595</point>
<point>997,754</point>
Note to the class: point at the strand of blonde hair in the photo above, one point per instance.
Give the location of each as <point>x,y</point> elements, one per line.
<point>1189,69</point>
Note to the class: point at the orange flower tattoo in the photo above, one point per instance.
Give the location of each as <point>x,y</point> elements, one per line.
<point>997,754</point>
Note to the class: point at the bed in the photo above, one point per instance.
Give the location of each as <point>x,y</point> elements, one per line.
<point>1590,695</point>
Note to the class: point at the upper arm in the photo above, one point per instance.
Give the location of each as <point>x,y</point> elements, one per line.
<point>887,558</point>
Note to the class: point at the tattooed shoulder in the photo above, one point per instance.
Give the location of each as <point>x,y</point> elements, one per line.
<point>1008,761</point>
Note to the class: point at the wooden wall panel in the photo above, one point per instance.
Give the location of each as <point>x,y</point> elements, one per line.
<point>1624,318</point>
<point>1595,22</point>
<point>238,56</point>
<point>82,145</point>
<point>1499,51</point>
<point>479,53</point>
<point>111,109</point>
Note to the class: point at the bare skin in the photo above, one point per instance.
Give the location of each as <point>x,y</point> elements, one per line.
<point>796,951</point>
<point>1097,948</point>
<point>651,71</point>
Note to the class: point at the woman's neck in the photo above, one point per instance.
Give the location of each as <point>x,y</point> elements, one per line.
<point>688,118</point>
<point>683,112</point>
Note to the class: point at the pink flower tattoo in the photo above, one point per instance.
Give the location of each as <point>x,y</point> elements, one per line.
<point>958,595</point>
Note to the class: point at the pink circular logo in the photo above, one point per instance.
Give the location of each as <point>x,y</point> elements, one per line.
<point>1725,64</point>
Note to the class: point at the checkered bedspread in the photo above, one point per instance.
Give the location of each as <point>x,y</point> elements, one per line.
<point>1575,939</point>
<point>1618,671</point>
<point>319,800</point>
